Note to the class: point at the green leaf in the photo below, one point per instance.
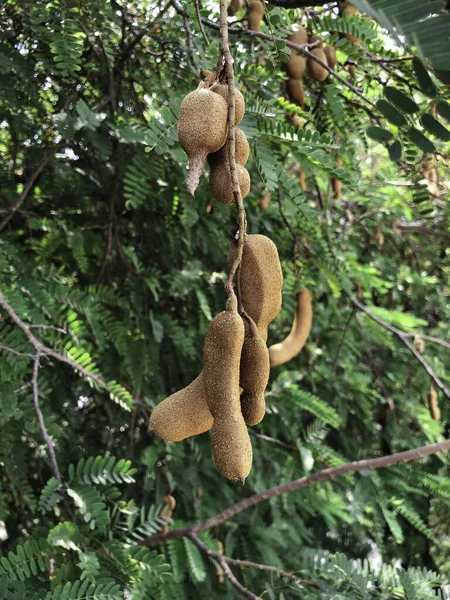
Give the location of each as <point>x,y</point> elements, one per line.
<point>426,83</point>
<point>422,142</point>
<point>443,108</point>
<point>433,126</point>
<point>401,100</point>
<point>395,151</point>
<point>389,111</point>
<point>379,134</point>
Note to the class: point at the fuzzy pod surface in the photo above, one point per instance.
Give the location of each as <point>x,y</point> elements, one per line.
<point>330,55</point>
<point>294,89</point>
<point>254,375</point>
<point>433,406</point>
<point>221,185</point>
<point>299,36</point>
<point>232,449</point>
<point>241,149</point>
<point>182,414</point>
<point>255,15</point>
<point>261,280</point>
<point>202,128</point>
<point>239,103</point>
<point>296,66</point>
<point>294,342</point>
<point>233,8</point>
<point>419,345</point>
<point>316,71</point>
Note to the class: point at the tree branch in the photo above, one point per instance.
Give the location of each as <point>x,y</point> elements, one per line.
<point>403,337</point>
<point>297,484</point>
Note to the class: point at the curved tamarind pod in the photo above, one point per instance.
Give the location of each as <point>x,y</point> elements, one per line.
<point>256,12</point>
<point>182,414</point>
<point>254,376</point>
<point>261,280</point>
<point>336,183</point>
<point>316,71</point>
<point>170,502</point>
<point>296,66</point>
<point>350,10</point>
<point>291,346</point>
<point>432,397</point>
<point>232,449</point>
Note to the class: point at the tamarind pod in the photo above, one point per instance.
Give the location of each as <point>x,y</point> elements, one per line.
<point>295,92</point>
<point>316,71</point>
<point>164,531</point>
<point>233,8</point>
<point>182,414</point>
<point>170,502</point>
<point>330,55</point>
<point>296,66</point>
<point>291,346</point>
<point>221,184</point>
<point>264,201</point>
<point>261,280</point>
<point>232,449</point>
<point>254,376</point>
<point>351,70</point>
<point>255,15</point>
<point>202,128</point>
<point>419,345</point>
<point>302,180</point>
<point>294,120</point>
<point>379,237</point>
<point>299,36</point>
<point>435,411</point>
<point>241,150</point>
<point>208,76</point>
<point>337,188</point>
<point>239,103</point>
<point>350,10</point>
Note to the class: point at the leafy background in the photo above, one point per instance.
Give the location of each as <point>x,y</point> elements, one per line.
<point>99,238</point>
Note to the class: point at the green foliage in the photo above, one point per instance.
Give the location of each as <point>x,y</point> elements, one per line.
<point>112,265</point>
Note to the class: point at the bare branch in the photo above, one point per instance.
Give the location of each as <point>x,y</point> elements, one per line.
<point>430,338</point>
<point>297,484</point>
<point>59,329</point>
<point>40,416</point>
<point>200,24</point>
<point>22,354</point>
<point>272,440</point>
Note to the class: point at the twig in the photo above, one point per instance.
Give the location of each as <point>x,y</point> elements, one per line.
<point>430,338</point>
<point>59,329</point>
<point>401,335</point>
<point>297,484</point>
<point>399,226</point>
<point>261,567</point>
<point>341,343</point>
<point>272,440</point>
<point>219,558</point>
<point>28,187</point>
<point>190,41</point>
<point>22,354</point>
<point>40,416</point>
<point>389,60</point>
<point>200,24</point>
<point>229,74</point>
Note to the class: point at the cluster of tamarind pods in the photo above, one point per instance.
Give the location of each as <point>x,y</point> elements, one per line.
<point>228,395</point>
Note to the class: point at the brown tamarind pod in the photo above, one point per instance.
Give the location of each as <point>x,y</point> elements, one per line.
<point>261,280</point>
<point>379,237</point>
<point>221,185</point>
<point>419,345</point>
<point>295,92</point>
<point>350,9</point>
<point>202,128</point>
<point>254,376</point>
<point>335,183</point>
<point>432,397</point>
<point>182,414</point>
<point>239,103</point>
<point>302,180</point>
<point>299,35</point>
<point>256,12</point>
<point>292,345</point>
<point>330,55</point>
<point>296,66</point>
<point>264,201</point>
<point>316,71</point>
<point>241,150</point>
<point>351,71</point>
<point>170,502</point>
<point>233,8</point>
<point>164,531</point>
<point>232,449</point>
<point>294,120</point>
<point>317,40</point>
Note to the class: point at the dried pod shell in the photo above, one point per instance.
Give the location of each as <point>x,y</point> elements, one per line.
<point>254,375</point>
<point>261,280</point>
<point>241,149</point>
<point>296,66</point>
<point>182,414</point>
<point>295,92</point>
<point>292,345</point>
<point>231,444</point>
<point>299,36</point>
<point>255,15</point>
<point>316,71</point>
<point>433,406</point>
<point>220,183</point>
<point>239,102</point>
<point>330,55</point>
<point>202,128</point>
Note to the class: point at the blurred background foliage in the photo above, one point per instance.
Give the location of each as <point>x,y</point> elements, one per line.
<point>98,237</point>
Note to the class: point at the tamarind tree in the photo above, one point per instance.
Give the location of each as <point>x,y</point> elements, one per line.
<point>110,273</point>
